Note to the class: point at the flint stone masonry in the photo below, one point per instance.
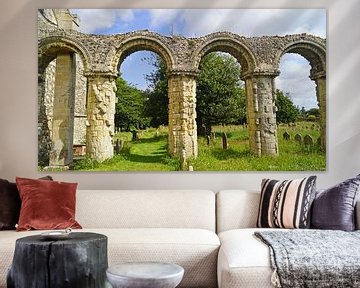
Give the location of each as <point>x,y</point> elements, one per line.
<point>100,125</point>
<point>182,115</point>
<point>101,56</point>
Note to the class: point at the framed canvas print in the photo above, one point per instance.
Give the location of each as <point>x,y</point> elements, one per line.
<point>182,89</point>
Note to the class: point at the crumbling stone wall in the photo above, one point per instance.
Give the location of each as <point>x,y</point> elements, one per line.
<point>259,58</point>
<point>49,19</point>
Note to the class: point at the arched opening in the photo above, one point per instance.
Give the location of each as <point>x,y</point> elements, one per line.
<point>61,103</point>
<point>220,108</point>
<point>221,98</point>
<point>142,112</point>
<point>301,100</point>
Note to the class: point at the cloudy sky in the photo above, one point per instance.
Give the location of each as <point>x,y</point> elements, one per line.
<point>294,77</point>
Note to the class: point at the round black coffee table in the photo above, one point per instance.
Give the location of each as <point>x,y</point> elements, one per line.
<point>79,260</point>
<point>145,275</point>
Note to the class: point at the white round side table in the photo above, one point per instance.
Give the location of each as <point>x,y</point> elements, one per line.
<point>145,275</point>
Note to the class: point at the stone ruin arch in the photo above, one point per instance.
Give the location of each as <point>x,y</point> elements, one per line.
<point>229,43</point>
<point>102,54</point>
<point>49,48</point>
<point>138,42</point>
<point>315,52</point>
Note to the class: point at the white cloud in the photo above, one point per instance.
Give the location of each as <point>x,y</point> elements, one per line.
<point>249,22</point>
<point>199,22</point>
<point>294,78</point>
<point>94,19</point>
<point>160,17</point>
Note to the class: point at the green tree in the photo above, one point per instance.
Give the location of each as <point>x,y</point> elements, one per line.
<point>313,112</point>
<point>220,96</point>
<point>157,94</point>
<point>287,112</point>
<point>129,112</point>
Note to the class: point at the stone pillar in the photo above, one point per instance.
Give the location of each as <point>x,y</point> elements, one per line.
<point>80,110</point>
<point>261,114</point>
<point>61,153</point>
<point>320,81</point>
<point>44,141</point>
<point>182,116</point>
<point>100,117</point>
<point>66,20</point>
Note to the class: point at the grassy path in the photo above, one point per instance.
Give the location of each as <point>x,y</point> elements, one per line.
<point>148,154</point>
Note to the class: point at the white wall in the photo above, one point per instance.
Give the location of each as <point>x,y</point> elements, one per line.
<point>18,94</point>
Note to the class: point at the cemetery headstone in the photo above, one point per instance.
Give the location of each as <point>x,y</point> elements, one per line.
<point>286,136</point>
<point>225,141</point>
<point>298,138</point>
<point>308,141</point>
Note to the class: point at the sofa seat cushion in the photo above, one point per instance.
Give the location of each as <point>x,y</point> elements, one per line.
<point>244,261</point>
<point>196,250</point>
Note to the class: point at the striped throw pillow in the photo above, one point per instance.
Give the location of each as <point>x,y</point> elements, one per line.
<point>286,204</point>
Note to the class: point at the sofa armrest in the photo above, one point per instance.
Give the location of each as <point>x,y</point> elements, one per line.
<point>357,215</point>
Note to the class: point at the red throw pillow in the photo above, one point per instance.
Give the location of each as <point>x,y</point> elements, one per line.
<point>46,204</point>
<point>10,204</point>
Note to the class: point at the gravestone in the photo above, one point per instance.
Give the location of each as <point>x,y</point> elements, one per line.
<point>298,138</point>
<point>225,141</point>
<point>286,136</point>
<point>308,141</point>
<point>117,146</point>
<point>135,135</point>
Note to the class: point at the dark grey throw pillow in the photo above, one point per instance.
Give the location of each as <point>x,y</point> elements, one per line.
<point>9,205</point>
<point>334,208</point>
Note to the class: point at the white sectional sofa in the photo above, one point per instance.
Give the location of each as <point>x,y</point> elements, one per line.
<point>210,235</point>
<point>175,226</point>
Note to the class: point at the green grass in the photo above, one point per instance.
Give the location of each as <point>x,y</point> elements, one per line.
<point>149,153</point>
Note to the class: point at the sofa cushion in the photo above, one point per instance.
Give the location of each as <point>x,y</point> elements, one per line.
<point>46,204</point>
<point>286,204</point>
<point>334,208</point>
<point>194,249</point>
<point>236,209</point>
<point>153,209</point>
<point>244,261</point>
<point>10,204</point>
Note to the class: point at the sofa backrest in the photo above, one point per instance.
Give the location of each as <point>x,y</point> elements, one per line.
<point>236,209</point>
<point>239,209</point>
<point>146,209</point>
